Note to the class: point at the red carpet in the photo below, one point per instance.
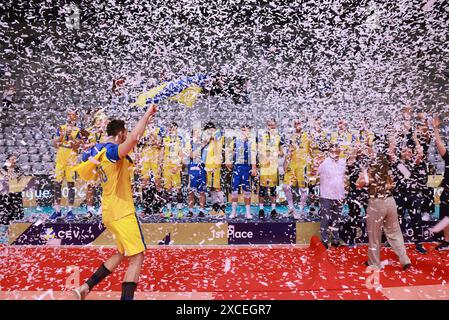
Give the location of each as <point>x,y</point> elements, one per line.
<point>230,273</point>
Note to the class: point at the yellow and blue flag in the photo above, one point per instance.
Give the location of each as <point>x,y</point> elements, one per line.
<point>184,90</point>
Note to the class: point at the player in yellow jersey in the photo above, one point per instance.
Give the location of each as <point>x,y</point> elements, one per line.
<point>269,149</point>
<point>364,135</point>
<point>297,159</point>
<point>151,168</point>
<point>67,142</point>
<point>172,151</point>
<point>343,138</point>
<point>97,134</point>
<point>214,144</point>
<point>115,169</point>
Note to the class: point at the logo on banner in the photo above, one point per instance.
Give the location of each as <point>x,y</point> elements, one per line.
<point>48,234</point>
<point>261,233</point>
<point>239,234</point>
<point>68,234</point>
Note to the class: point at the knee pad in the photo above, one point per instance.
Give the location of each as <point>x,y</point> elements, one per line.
<point>247,194</point>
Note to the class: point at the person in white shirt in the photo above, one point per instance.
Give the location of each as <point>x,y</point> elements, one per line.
<point>332,194</point>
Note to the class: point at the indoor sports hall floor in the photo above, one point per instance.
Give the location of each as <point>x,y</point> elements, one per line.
<point>227,272</point>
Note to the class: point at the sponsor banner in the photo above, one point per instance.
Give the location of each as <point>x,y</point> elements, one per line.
<point>361,235</point>
<point>60,233</point>
<point>262,233</point>
<point>176,234</point>
<point>185,233</point>
<point>305,231</point>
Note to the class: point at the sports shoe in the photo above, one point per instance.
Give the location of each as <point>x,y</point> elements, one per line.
<point>215,207</point>
<point>221,212</point>
<point>56,215</point>
<point>249,216</point>
<point>336,244</point>
<point>233,215</point>
<point>274,214</point>
<point>406,266</point>
<point>420,248</point>
<point>180,214</point>
<point>325,244</point>
<point>261,214</point>
<point>81,293</point>
<point>168,214</point>
<point>89,215</point>
<point>201,214</point>
<point>297,216</point>
<point>190,214</point>
<point>443,246</point>
<point>70,215</point>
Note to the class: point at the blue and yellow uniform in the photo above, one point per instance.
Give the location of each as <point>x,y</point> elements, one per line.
<point>172,161</point>
<point>319,142</point>
<point>366,137</point>
<point>119,213</point>
<point>345,141</point>
<point>299,160</point>
<point>214,160</point>
<point>66,156</point>
<point>196,170</point>
<point>268,148</point>
<point>151,153</point>
<point>243,155</point>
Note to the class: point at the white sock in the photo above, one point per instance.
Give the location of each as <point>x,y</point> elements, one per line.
<point>69,208</point>
<point>213,195</point>
<point>234,207</point>
<point>220,197</point>
<point>261,206</point>
<point>273,206</point>
<point>304,195</point>
<point>248,209</point>
<point>289,196</point>
<point>169,206</point>
<point>90,208</point>
<point>57,208</point>
<point>179,206</point>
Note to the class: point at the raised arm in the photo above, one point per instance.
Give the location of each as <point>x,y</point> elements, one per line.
<point>438,140</point>
<point>132,138</point>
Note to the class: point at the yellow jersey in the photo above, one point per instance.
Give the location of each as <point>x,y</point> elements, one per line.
<point>95,136</point>
<point>115,175</point>
<point>268,149</point>
<point>67,138</point>
<point>214,151</point>
<point>344,140</point>
<point>152,144</point>
<point>299,149</point>
<point>172,152</point>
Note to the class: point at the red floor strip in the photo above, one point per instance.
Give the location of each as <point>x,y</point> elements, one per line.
<point>231,273</point>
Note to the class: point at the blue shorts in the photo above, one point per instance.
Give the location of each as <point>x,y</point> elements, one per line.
<point>241,176</point>
<point>197,178</point>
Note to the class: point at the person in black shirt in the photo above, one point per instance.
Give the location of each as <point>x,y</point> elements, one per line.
<point>357,197</point>
<point>444,204</point>
<point>11,202</point>
<point>410,174</point>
